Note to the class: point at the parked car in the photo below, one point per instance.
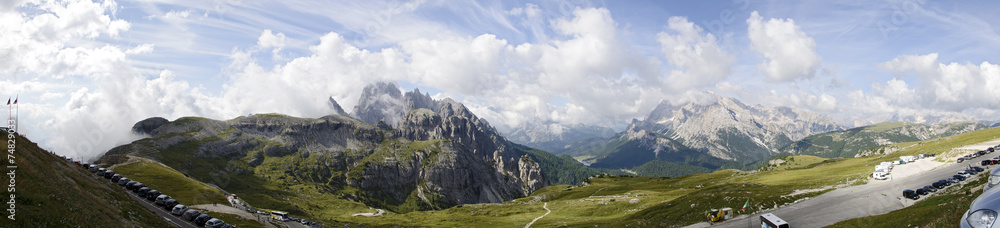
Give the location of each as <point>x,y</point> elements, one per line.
<point>123,181</point>
<point>959,177</point>
<point>986,162</point>
<point>960,160</point>
<point>930,188</point>
<point>190,214</point>
<point>100,171</point>
<point>134,187</point>
<point>993,181</point>
<point>922,191</point>
<point>215,223</point>
<point>939,184</point>
<point>152,194</point>
<point>911,194</point>
<point>161,199</point>
<point>971,171</point>
<point>129,184</point>
<point>92,168</point>
<point>170,203</point>
<point>116,177</point>
<point>108,174</point>
<point>143,191</point>
<point>952,180</point>
<point>178,209</point>
<point>983,210</point>
<point>978,169</point>
<point>201,219</point>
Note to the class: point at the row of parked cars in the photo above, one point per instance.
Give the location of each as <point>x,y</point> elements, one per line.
<point>980,153</point>
<point>983,210</point>
<point>158,198</point>
<point>943,183</point>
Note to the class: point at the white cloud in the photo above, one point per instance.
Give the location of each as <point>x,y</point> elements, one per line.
<point>334,68</point>
<point>458,65</point>
<point>141,49</point>
<point>789,53</point>
<point>952,86</point>
<point>697,59</point>
<point>268,39</point>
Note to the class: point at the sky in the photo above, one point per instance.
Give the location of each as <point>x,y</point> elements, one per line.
<point>85,71</point>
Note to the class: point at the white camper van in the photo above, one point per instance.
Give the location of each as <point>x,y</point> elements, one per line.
<point>880,175</point>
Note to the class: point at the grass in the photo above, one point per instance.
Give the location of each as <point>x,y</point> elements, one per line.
<point>52,192</point>
<point>170,182</point>
<point>311,186</point>
<point>603,201</point>
<point>797,161</point>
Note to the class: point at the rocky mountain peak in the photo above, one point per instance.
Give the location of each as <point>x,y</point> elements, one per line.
<point>730,129</point>
<point>148,125</point>
<point>336,107</point>
<point>383,101</point>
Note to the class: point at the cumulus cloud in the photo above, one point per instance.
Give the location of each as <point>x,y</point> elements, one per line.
<point>697,59</point>
<point>952,86</point>
<point>37,43</point>
<point>333,67</point>
<point>585,74</point>
<point>268,39</point>
<point>789,53</point>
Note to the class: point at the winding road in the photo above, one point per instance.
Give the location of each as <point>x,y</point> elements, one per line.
<point>547,211</point>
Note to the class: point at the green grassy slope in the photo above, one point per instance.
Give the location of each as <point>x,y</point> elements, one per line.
<point>848,143</point>
<point>52,192</point>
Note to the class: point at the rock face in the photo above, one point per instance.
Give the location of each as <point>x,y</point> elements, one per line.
<point>726,129</point>
<point>148,125</point>
<point>435,156</point>
<point>337,110</point>
<point>731,130</point>
<point>384,102</point>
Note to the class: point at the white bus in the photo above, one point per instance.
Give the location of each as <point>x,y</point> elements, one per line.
<point>770,221</point>
<point>280,216</point>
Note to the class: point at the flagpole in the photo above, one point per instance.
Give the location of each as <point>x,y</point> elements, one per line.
<point>17,116</point>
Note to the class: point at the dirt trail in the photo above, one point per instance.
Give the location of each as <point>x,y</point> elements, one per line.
<point>547,211</point>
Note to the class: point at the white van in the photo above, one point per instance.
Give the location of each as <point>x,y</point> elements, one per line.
<point>880,175</point>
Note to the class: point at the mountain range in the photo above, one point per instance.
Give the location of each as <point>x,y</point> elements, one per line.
<point>401,152</point>
<point>408,151</point>
<point>844,144</point>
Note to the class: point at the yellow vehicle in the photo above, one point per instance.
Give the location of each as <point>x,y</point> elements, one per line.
<point>716,215</point>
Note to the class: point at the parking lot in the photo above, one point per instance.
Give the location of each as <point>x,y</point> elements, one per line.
<point>877,197</point>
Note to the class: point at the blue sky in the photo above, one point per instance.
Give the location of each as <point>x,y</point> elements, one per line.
<point>86,71</point>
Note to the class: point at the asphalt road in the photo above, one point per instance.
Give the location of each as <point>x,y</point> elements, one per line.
<point>860,201</point>
<point>239,204</point>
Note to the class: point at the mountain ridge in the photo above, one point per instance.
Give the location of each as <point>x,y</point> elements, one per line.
<point>415,153</point>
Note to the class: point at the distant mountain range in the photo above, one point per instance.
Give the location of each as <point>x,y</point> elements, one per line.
<point>726,133</point>
<point>558,138</point>
<point>721,133</point>
<point>842,144</point>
